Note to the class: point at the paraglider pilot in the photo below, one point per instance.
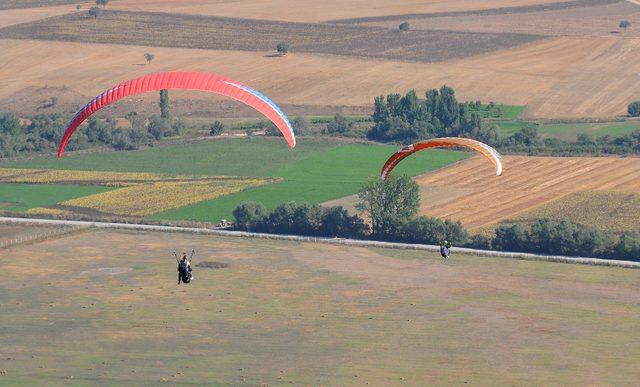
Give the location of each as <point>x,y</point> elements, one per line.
<point>444,249</point>
<point>184,267</point>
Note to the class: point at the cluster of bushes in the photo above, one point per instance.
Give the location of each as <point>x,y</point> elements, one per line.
<point>547,236</point>
<point>529,141</point>
<point>407,118</point>
<point>43,132</point>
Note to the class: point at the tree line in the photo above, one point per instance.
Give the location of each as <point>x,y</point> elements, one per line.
<point>407,119</point>
<point>391,207</point>
<point>43,132</point>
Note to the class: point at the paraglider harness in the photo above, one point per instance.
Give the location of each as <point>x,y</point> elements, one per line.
<point>444,249</point>
<point>184,268</point>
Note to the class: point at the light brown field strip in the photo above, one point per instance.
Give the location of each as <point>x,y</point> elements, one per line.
<point>483,199</point>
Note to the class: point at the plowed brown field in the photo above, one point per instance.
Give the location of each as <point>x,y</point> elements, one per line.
<point>481,198</point>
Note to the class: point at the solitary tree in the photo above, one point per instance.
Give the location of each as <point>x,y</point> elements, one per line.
<point>95,12</point>
<point>103,3</point>
<point>149,57</point>
<point>164,103</point>
<point>217,128</point>
<point>389,203</point>
<point>624,24</point>
<point>634,109</point>
<point>282,48</point>
<point>404,26</point>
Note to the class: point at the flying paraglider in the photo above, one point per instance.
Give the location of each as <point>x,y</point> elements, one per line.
<point>185,81</point>
<point>487,151</point>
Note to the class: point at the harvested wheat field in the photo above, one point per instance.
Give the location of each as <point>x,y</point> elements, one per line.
<point>612,211</point>
<point>313,11</point>
<point>108,307</point>
<point>9,17</point>
<point>556,77</point>
<point>482,199</point>
<point>596,20</point>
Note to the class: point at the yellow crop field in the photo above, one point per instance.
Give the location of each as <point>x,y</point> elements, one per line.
<point>150,198</point>
<point>48,211</point>
<point>140,194</point>
<point>53,176</point>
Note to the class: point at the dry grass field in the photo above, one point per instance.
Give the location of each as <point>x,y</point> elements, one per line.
<point>558,77</point>
<point>481,198</point>
<point>108,308</point>
<point>605,210</point>
<point>214,33</point>
<point>596,20</point>
<point>10,232</point>
<point>313,11</point>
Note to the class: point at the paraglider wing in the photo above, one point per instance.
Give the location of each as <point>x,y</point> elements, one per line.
<point>478,146</point>
<point>185,81</point>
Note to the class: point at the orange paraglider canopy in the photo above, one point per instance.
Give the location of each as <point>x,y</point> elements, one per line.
<point>487,151</point>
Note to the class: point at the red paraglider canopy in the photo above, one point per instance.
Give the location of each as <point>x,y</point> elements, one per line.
<point>209,82</point>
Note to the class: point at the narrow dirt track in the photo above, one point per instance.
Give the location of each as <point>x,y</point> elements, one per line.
<point>528,182</point>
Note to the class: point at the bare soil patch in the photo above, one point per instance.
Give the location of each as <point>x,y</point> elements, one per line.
<point>190,31</point>
<point>211,265</point>
<point>483,199</point>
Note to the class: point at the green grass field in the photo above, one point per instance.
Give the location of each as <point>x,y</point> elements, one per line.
<point>258,157</point>
<point>22,197</point>
<point>323,176</point>
<point>103,308</point>
<point>503,112</point>
<point>569,132</point>
<point>317,170</point>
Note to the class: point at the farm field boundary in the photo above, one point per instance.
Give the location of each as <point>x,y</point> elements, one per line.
<point>19,240</point>
<point>333,241</point>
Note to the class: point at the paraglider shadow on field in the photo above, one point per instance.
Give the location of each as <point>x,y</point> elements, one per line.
<point>211,265</point>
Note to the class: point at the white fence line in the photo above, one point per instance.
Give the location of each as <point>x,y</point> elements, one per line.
<point>38,237</point>
<point>335,241</point>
